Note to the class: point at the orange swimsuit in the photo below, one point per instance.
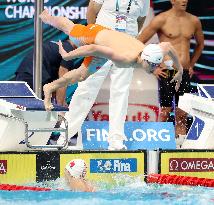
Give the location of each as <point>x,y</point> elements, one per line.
<point>82,35</point>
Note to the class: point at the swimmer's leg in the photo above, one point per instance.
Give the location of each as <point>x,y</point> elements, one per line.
<point>59,22</point>
<point>70,77</point>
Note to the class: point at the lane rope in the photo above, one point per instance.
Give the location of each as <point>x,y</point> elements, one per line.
<point>179,180</point>
<point>12,187</point>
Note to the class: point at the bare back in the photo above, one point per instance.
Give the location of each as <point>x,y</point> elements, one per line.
<point>178,30</point>
<point>122,43</point>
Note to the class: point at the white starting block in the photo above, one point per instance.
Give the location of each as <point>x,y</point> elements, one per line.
<point>24,123</point>
<point>201,107</point>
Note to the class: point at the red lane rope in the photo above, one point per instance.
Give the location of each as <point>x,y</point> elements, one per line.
<point>152,178</point>
<point>11,187</point>
<point>179,180</point>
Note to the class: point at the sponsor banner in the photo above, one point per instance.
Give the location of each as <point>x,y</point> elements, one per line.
<point>136,112</point>
<point>113,165</point>
<point>150,135</point>
<point>192,163</point>
<point>21,168</point>
<point>17,168</point>
<point>143,100</point>
<point>47,166</point>
<point>109,166</point>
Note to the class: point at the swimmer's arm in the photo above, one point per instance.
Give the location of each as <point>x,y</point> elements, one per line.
<point>168,49</point>
<point>82,51</point>
<point>140,22</point>
<point>199,38</point>
<point>153,27</point>
<point>80,185</point>
<point>144,13</point>
<point>92,11</point>
<point>88,50</point>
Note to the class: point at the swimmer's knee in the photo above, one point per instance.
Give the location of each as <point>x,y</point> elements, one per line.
<point>83,77</point>
<point>84,74</point>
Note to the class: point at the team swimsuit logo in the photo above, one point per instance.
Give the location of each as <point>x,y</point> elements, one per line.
<point>113,165</point>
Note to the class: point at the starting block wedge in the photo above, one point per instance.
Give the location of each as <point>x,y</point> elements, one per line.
<point>24,122</point>
<point>201,107</point>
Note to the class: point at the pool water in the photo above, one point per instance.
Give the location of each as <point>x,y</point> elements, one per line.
<point>129,194</point>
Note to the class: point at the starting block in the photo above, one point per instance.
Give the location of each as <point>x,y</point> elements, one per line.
<point>24,122</point>
<point>201,107</point>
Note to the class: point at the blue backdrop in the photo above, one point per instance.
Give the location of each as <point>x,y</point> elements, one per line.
<point>17,30</point>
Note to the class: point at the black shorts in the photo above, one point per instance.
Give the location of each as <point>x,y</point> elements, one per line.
<point>167,89</point>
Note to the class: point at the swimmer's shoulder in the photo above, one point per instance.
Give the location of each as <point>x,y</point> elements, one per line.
<point>194,19</point>
<point>162,17</point>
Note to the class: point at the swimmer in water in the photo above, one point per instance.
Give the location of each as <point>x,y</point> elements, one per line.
<point>97,42</point>
<point>75,172</point>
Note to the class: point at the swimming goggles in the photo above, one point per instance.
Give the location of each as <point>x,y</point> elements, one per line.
<point>152,66</point>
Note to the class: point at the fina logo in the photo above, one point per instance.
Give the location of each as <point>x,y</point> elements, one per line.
<point>139,135</point>
<point>113,165</point>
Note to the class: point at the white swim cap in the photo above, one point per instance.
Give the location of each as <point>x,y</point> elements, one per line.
<point>77,168</point>
<point>152,53</point>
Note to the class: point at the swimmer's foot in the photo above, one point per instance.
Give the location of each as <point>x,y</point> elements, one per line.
<point>48,94</point>
<point>45,16</point>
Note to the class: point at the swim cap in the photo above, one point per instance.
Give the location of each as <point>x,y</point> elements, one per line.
<point>77,168</point>
<point>152,53</point>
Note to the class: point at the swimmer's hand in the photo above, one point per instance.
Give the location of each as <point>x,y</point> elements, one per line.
<point>177,78</point>
<point>48,94</point>
<point>160,72</point>
<point>62,51</point>
<point>45,16</point>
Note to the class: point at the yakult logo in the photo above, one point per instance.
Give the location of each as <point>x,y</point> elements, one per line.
<point>3,166</point>
<point>136,112</point>
<point>113,165</point>
<point>191,165</point>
